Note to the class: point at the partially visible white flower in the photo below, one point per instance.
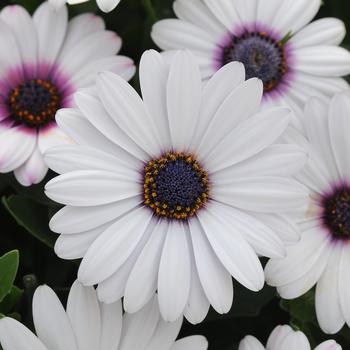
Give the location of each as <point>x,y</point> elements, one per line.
<point>275,41</point>
<point>104,5</point>
<point>88,324</point>
<point>44,60</point>
<point>284,338</point>
<point>322,256</point>
<point>177,191</point>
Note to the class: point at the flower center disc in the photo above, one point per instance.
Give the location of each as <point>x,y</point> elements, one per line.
<point>336,213</point>
<point>34,103</point>
<point>175,186</point>
<point>263,57</point>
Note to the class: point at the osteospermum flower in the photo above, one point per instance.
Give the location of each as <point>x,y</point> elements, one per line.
<point>173,190</point>
<point>104,5</point>
<point>322,256</point>
<point>44,59</point>
<point>283,337</point>
<point>276,43</point>
<point>88,324</point>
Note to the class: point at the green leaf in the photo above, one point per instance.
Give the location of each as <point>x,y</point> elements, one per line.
<point>302,310</point>
<point>32,216</point>
<point>11,300</point>
<point>8,271</point>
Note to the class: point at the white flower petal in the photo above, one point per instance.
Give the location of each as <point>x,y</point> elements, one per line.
<point>329,345</point>
<point>184,84</point>
<point>215,280</point>
<point>324,31</point>
<point>22,27</point>
<point>317,85</point>
<point>294,14</point>
<point>344,282</point>
<point>126,108</point>
<point>264,194</point>
<point>74,246</point>
<point>79,129</point>
<point>64,159</point>
<point>247,11</point>
<point>300,258</point>
<point>266,14</point>
<point>323,60</point>
<point>196,12</point>
<point>318,132</point>
<point>339,121</point>
<point>232,249</point>
<point>250,343</point>
<point>277,337</point>
<point>304,283</point>
<point>51,137</point>
<point>170,34</point>
<point>242,103</point>
<point>33,170</point>
<point>95,46</point>
<point>13,336</point>
<point>113,247</point>
<point>259,131</point>
<point>194,342</point>
<point>98,116</point>
<point>16,147</point>
<point>111,327</point>
<point>198,304</point>
<point>51,26</point>
<point>275,160</point>
<point>13,55</point>
<point>107,5</point>
<point>165,334</point>
<point>86,74</point>
<point>154,72</point>
<point>91,187</point>
<point>83,311</point>
<point>142,283</point>
<point>138,328</point>
<point>263,240</point>
<point>328,310</point>
<point>295,341</point>
<point>217,89</point>
<point>71,220</point>
<point>79,27</point>
<point>225,12</point>
<point>51,322</point>
<point>174,270</point>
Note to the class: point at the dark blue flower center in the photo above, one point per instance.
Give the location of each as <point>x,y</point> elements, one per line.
<point>34,103</point>
<point>263,57</point>
<point>175,186</point>
<point>336,212</point>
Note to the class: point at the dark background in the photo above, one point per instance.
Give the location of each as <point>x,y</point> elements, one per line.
<point>24,215</point>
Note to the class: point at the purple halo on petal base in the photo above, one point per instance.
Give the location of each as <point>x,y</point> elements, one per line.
<point>334,213</point>
<point>16,76</point>
<point>238,32</point>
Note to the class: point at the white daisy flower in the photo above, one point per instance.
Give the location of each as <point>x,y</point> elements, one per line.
<point>44,60</point>
<point>283,337</point>
<point>322,256</point>
<point>294,59</point>
<point>104,5</point>
<point>88,324</point>
<point>173,190</point>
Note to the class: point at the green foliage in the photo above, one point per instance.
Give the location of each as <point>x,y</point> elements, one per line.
<point>30,215</point>
<point>8,269</point>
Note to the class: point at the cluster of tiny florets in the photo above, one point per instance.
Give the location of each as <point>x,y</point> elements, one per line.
<point>34,103</point>
<point>175,186</point>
